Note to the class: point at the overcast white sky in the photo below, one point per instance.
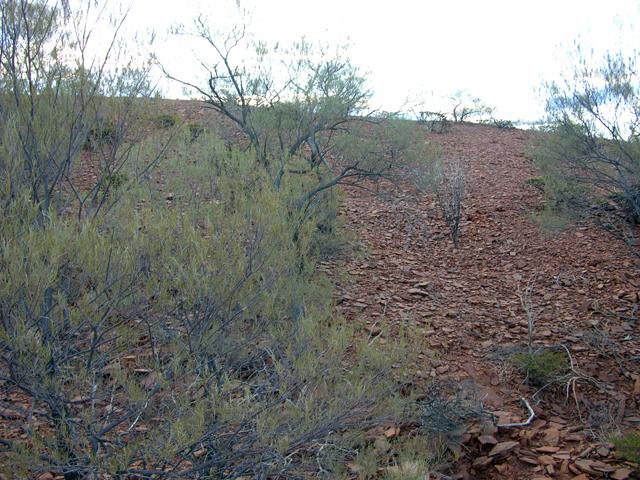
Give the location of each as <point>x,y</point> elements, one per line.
<point>498,50</point>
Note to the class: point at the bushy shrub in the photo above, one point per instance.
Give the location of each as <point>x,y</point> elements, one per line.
<point>542,366</point>
<point>628,446</point>
<point>449,186</point>
<point>166,120</point>
<point>592,149</point>
<point>99,135</point>
<point>55,101</point>
<point>188,339</point>
<point>320,125</point>
<point>195,130</point>
<point>502,124</point>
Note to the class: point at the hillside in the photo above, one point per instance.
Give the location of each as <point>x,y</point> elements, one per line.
<point>463,313</point>
<point>465,304</point>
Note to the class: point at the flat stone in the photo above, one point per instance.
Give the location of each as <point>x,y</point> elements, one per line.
<point>552,436</point>
<point>482,462</point>
<point>546,460</point>
<point>418,291</point>
<point>487,440</point>
<point>621,474</point>
<point>502,448</point>
<point>547,449</point>
<point>585,466</point>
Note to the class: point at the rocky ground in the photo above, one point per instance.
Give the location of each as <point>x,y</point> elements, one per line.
<point>466,305</point>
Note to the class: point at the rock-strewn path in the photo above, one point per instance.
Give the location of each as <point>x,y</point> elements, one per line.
<point>465,305</point>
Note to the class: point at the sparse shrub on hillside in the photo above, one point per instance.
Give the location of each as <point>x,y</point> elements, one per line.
<point>435,122</point>
<point>51,107</point>
<point>195,130</point>
<point>542,366</point>
<point>449,186</point>
<point>166,120</point>
<point>503,124</point>
<point>628,446</point>
<point>318,127</point>
<point>466,107</point>
<point>592,150</point>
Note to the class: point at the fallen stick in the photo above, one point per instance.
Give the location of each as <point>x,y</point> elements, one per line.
<point>532,415</point>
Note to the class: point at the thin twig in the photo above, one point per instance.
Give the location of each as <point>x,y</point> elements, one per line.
<point>532,415</point>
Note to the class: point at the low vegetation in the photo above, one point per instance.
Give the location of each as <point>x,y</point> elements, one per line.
<point>628,446</point>
<point>590,157</point>
<point>449,187</point>
<point>164,307</point>
<point>160,310</point>
<point>542,366</point>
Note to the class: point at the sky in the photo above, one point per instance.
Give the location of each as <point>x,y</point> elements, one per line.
<point>417,51</point>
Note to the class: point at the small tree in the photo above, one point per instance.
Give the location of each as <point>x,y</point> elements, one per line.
<point>54,95</point>
<point>304,116</point>
<point>466,107</point>
<point>449,182</point>
<point>436,122</point>
<point>591,157</point>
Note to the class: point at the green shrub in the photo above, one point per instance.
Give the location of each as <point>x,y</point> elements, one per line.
<point>628,446</point>
<point>189,337</point>
<point>504,124</point>
<point>114,181</point>
<point>542,366</point>
<point>591,149</point>
<point>190,340</point>
<point>536,182</point>
<point>195,130</point>
<point>103,134</point>
<point>166,120</point>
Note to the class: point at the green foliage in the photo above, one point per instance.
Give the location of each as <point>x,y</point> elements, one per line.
<point>538,182</point>
<point>308,127</point>
<point>180,328</point>
<point>166,120</point>
<point>102,134</point>
<point>628,446</point>
<point>180,324</point>
<point>591,150</point>
<point>502,124</point>
<point>195,130</point>
<point>55,100</point>
<point>542,366</point>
